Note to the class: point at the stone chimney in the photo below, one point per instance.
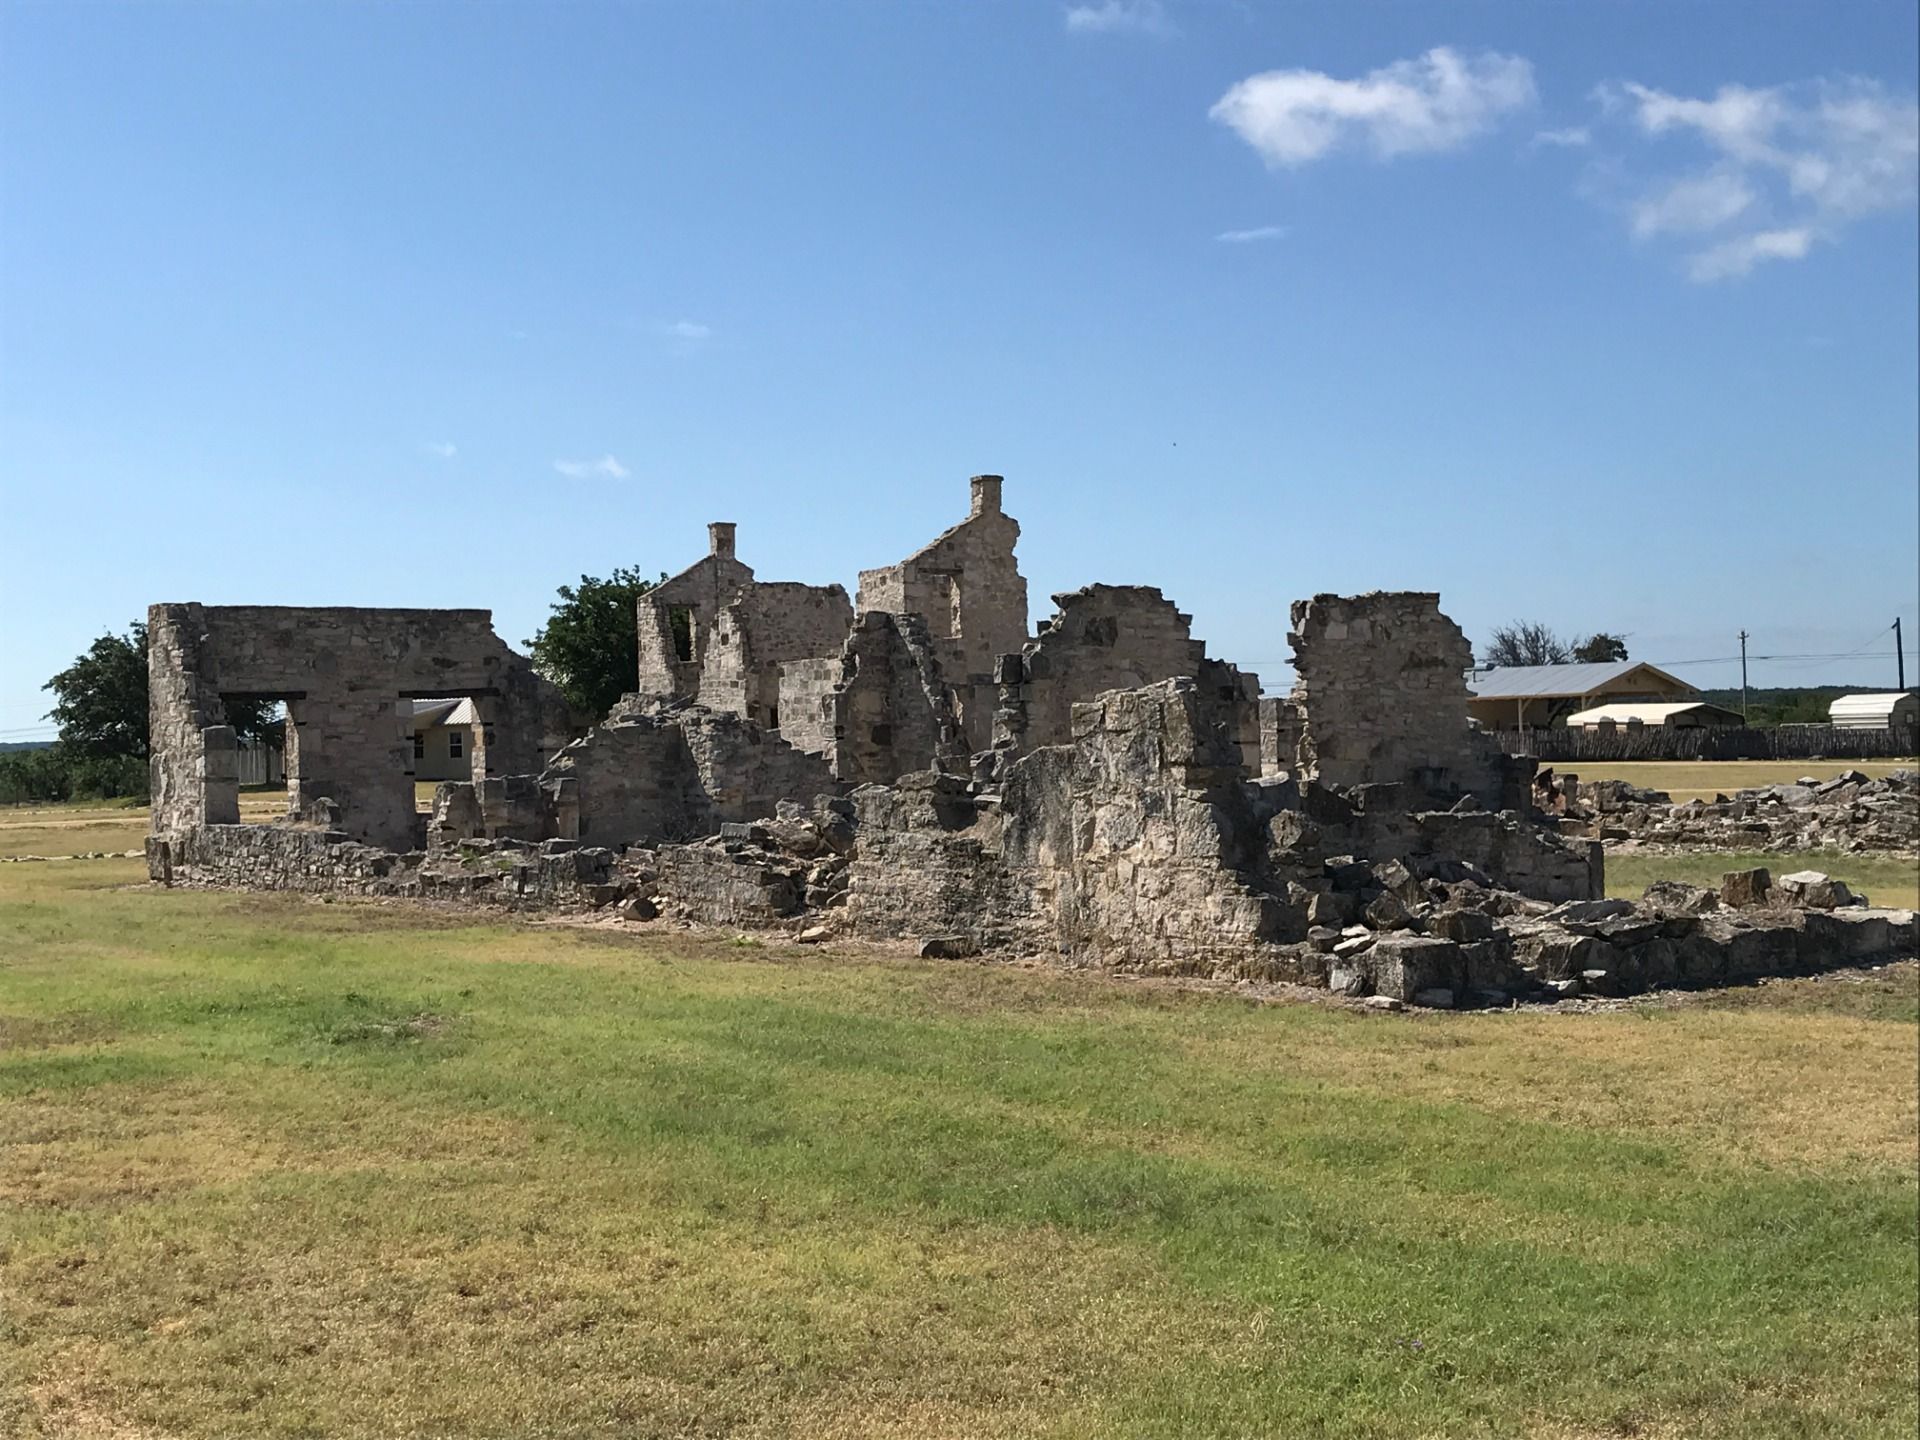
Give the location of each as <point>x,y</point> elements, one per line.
<point>720,538</point>
<point>986,495</point>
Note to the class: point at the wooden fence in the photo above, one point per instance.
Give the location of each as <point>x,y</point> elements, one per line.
<point>262,765</point>
<point>1733,742</point>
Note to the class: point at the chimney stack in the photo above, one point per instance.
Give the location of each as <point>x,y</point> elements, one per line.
<point>720,538</point>
<point>986,495</point>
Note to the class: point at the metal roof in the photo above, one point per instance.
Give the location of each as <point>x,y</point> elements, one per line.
<point>1876,707</point>
<point>1646,712</point>
<point>453,710</point>
<point>1559,682</point>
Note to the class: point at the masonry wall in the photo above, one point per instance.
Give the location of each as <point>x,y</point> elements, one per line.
<point>1100,638</point>
<point>345,675</point>
<point>642,778</point>
<point>767,627</point>
<point>968,587</point>
<point>702,591</point>
<point>1382,697</point>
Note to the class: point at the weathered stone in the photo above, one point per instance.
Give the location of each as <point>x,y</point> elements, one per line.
<point>1744,889</point>
<point>1678,897</point>
<point>1404,965</point>
<point>1815,890</point>
<point>948,947</point>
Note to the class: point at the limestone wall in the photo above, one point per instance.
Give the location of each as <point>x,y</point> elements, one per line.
<point>1101,637</point>
<point>967,586</point>
<point>1381,693</point>
<point>345,675</point>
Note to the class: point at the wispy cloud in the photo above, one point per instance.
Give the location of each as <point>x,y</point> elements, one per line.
<point>689,330</point>
<point>1127,17</point>
<point>1438,102</point>
<point>1247,237</point>
<point>1736,257</point>
<point>1780,170</point>
<point>605,468</point>
<point>440,449</point>
<point>1573,137</point>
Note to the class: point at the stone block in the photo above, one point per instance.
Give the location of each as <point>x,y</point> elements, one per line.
<point>1745,889</point>
<point>1401,966</point>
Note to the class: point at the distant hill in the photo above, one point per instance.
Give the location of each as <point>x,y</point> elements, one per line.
<point>1789,704</point>
<point>24,744</point>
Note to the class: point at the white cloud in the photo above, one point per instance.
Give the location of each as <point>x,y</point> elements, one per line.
<point>1259,232</point>
<point>440,449</point>
<point>1733,258</point>
<point>605,468</point>
<point>1783,167</point>
<point>1439,102</point>
<point>1573,137</point>
<point>1704,202</point>
<point>1110,17</point>
<point>689,330</point>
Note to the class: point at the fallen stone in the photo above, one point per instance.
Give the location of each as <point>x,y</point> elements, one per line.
<point>638,907</point>
<point>948,947</point>
<point>1384,1002</point>
<point>1744,889</point>
<point>1815,890</point>
<point>1679,898</point>
<point>814,935</point>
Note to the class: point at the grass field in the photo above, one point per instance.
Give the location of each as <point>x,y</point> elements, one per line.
<point>1884,879</point>
<point>277,1167</point>
<point>1702,779</point>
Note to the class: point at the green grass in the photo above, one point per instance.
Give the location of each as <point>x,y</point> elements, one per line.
<point>1885,879</point>
<point>278,1167</point>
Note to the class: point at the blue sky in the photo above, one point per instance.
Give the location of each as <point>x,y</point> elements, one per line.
<point>1598,314</point>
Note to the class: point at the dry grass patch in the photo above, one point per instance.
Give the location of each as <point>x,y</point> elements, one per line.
<point>1702,779</point>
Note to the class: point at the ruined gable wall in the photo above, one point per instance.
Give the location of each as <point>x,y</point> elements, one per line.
<point>704,588</point>
<point>968,587</point>
<point>1102,637</point>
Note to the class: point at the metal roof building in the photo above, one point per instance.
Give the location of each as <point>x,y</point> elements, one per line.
<point>1894,710</point>
<point>1668,715</point>
<point>1519,696</point>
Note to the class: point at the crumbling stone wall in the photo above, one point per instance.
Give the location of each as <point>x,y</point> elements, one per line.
<point>715,635</point>
<point>1147,840</point>
<point>345,675</point>
<point>1279,735</point>
<point>1381,693</point>
<point>1100,638</point>
<point>647,775</point>
<point>967,586</point>
<point>766,628</point>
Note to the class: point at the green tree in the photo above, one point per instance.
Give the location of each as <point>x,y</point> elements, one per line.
<point>101,699</point>
<point>1599,648</point>
<point>590,645</point>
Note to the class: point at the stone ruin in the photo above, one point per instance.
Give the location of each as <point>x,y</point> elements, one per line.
<point>1848,812</point>
<point>914,766</point>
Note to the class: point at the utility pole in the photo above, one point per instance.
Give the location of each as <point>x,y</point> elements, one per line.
<point>1743,677</point>
<point>1899,655</point>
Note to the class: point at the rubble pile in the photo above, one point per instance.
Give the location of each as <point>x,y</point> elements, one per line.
<point>1850,812</point>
